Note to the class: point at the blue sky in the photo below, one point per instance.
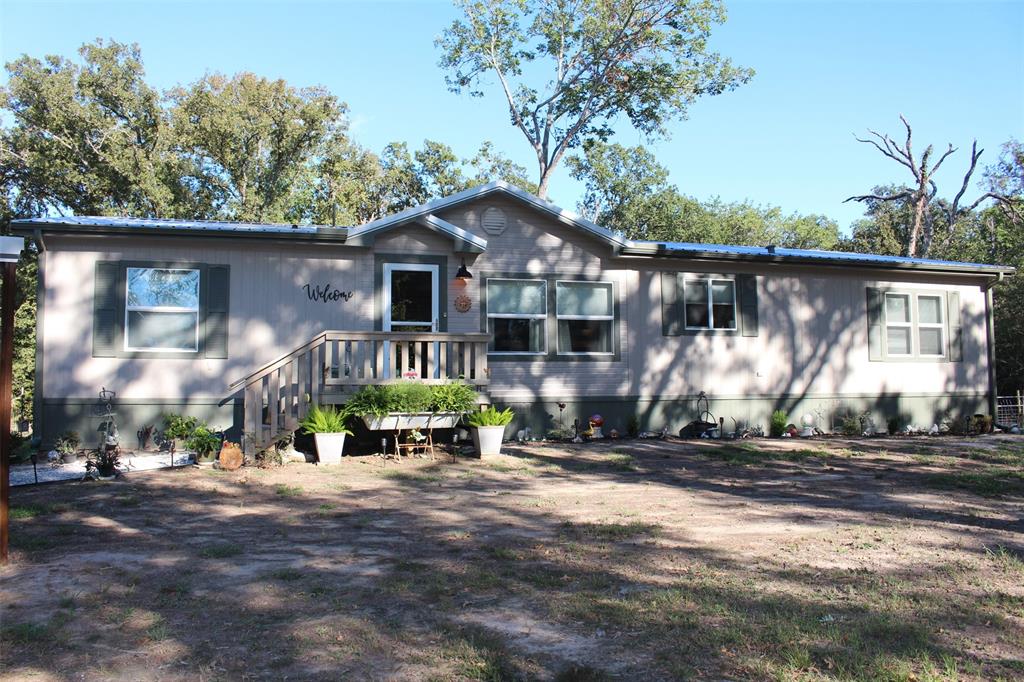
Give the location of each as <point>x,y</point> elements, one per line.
<point>825,70</point>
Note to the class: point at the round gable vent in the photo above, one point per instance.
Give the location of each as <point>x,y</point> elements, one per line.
<point>494,220</point>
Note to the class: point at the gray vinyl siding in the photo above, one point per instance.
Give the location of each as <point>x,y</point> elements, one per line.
<point>812,322</point>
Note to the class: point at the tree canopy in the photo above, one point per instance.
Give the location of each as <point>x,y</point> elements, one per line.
<point>568,69</point>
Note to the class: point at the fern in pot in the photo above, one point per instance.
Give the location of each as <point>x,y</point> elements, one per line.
<point>489,429</point>
<point>327,426</point>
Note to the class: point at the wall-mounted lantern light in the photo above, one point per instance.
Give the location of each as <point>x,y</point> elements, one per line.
<point>463,274</point>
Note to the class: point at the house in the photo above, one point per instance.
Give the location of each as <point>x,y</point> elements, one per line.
<point>245,324</point>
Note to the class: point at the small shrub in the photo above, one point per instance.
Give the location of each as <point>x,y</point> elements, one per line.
<point>777,426</point>
<point>490,417</point>
<point>179,426</point>
<point>324,420</point>
<point>203,440</point>
<point>893,425</point>
<point>452,396</point>
<point>633,426</point>
<point>850,425</point>
<point>67,443</point>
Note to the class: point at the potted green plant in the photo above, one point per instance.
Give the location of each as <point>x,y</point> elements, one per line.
<point>204,442</point>
<point>104,461</point>
<point>489,428</point>
<point>67,446</point>
<point>327,426</point>
<point>411,405</point>
<point>177,428</point>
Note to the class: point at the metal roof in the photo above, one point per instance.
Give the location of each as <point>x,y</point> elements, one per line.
<point>156,224</point>
<point>424,214</point>
<point>783,253</point>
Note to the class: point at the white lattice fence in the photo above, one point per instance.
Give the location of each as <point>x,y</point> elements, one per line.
<point>1010,409</point>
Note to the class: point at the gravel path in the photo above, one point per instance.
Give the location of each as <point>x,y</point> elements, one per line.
<point>21,474</point>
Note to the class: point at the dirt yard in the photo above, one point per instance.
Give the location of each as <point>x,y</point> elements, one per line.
<point>874,560</point>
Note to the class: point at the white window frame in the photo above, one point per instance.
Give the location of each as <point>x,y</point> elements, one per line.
<point>709,283</point>
<point>387,324</point>
<point>128,308</point>
<point>518,316</point>
<point>940,325</point>
<point>908,325</point>
<point>602,318</point>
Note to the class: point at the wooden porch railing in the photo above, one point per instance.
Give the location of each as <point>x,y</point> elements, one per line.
<point>278,395</point>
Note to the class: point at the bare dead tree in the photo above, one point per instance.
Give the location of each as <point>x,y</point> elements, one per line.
<point>924,191</point>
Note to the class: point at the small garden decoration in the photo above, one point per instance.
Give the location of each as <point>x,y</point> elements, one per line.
<point>67,446</point>
<point>489,429</point>
<point>327,426</point>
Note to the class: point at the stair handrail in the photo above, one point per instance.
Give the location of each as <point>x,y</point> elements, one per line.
<point>280,362</point>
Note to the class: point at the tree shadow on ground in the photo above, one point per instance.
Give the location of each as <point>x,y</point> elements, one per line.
<point>471,570</point>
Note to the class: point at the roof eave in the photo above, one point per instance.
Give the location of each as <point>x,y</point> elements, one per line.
<point>27,228</point>
<point>960,269</point>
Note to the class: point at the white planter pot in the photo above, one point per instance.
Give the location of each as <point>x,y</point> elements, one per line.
<point>487,439</point>
<point>329,447</point>
<point>396,421</point>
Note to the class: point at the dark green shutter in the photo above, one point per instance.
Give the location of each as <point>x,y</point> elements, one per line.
<point>107,307</point>
<point>218,289</point>
<point>671,305</point>
<point>747,285</point>
<point>875,323</point>
<point>956,348</point>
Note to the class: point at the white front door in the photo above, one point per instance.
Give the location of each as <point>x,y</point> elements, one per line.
<point>410,297</point>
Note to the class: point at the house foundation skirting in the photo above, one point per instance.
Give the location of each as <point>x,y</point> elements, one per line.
<point>654,413</point>
<point>541,414</point>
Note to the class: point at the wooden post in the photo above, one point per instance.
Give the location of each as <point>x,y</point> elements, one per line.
<point>6,368</point>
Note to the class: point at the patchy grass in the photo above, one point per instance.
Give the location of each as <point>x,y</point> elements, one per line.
<point>611,531</point>
<point>284,490</point>
<point>411,476</point>
<point>223,550</point>
<point>988,482</point>
<point>26,512</point>
<point>621,462</point>
<point>698,568</point>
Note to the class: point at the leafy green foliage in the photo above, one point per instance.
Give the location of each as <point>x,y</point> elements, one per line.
<point>179,426</point>
<point>777,425</point>
<point>628,191</point>
<point>490,417</point>
<point>570,70</point>
<point>410,396</point>
<point>67,442</point>
<point>324,420</point>
<point>203,440</point>
<point>453,396</point>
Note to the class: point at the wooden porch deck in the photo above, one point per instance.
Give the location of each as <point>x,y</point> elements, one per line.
<point>334,364</point>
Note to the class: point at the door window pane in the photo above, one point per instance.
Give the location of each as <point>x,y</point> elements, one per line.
<point>898,340</point>
<point>412,296</point>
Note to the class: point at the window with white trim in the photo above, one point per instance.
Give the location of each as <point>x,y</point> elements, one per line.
<point>899,329</point>
<point>710,303</point>
<point>930,326</point>
<point>585,313</point>
<point>915,325</point>
<point>161,309</point>
<point>517,311</point>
